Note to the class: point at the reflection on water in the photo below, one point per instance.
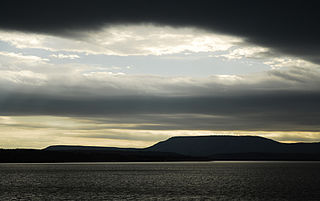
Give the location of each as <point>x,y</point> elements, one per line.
<point>161,181</point>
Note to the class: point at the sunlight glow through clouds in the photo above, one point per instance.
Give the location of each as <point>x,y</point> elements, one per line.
<point>247,52</point>
<point>42,131</point>
<point>23,77</point>
<point>19,58</point>
<point>126,40</point>
<point>43,72</point>
<point>65,56</point>
<point>143,40</point>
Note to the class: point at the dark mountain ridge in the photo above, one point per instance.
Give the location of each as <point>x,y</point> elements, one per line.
<point>185,148</point>
<point>210,145</point>
<point>86,148</point>
<point>205,146</point>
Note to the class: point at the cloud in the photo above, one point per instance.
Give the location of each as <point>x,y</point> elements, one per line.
<point>245,52</point>
<point>14,60</point>
<point>266,56</point>
<point>124,40</point>
<point>285,37</point>
<point>280,62</point>
<point>65,56</point>
<point>144,40</point>
<point>277,100</point>
<point>289,27</point>
<point>23,77</point>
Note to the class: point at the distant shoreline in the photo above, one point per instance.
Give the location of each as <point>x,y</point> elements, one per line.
<point>194,148</point>
<point>41,156</point>
<point>158,162</point>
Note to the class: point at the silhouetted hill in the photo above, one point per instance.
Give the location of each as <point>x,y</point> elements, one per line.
<point>85,155</point>
<point>86,148</point>
<point>195,148</point>
<point>206,146</point>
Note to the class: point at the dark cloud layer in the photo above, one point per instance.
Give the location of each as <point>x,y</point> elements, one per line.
<point>271,111</point>
<point>287,26</point>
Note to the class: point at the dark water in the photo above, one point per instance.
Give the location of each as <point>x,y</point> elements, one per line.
<point>161,181</point>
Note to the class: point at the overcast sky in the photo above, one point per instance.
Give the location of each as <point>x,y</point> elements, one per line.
<point>132,73</point>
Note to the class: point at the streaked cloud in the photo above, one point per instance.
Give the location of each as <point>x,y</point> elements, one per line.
<point>289,28</point>
<point>279,62</point>
<point>15,60</point>
<point>42,131</point>
<point>126,40</point>
<point>23,77</point>
<point>65,56</point>
<point>245,52</point>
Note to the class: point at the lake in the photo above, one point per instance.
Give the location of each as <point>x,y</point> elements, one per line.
<point>161,181</point>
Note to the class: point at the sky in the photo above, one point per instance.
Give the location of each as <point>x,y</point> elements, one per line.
<point>132,73</point>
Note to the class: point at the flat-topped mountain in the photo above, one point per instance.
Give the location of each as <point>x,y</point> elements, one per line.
<point>211,145</point>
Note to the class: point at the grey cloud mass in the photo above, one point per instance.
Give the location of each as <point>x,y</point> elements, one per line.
<point>290,27</point>
<point>277,101</point>
<point>281,99</point>
<point>282,111</point>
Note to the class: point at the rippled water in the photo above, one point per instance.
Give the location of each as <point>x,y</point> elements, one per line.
<point>161,181</point>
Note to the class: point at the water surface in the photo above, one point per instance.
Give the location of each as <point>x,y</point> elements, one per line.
<point>161,181</point>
